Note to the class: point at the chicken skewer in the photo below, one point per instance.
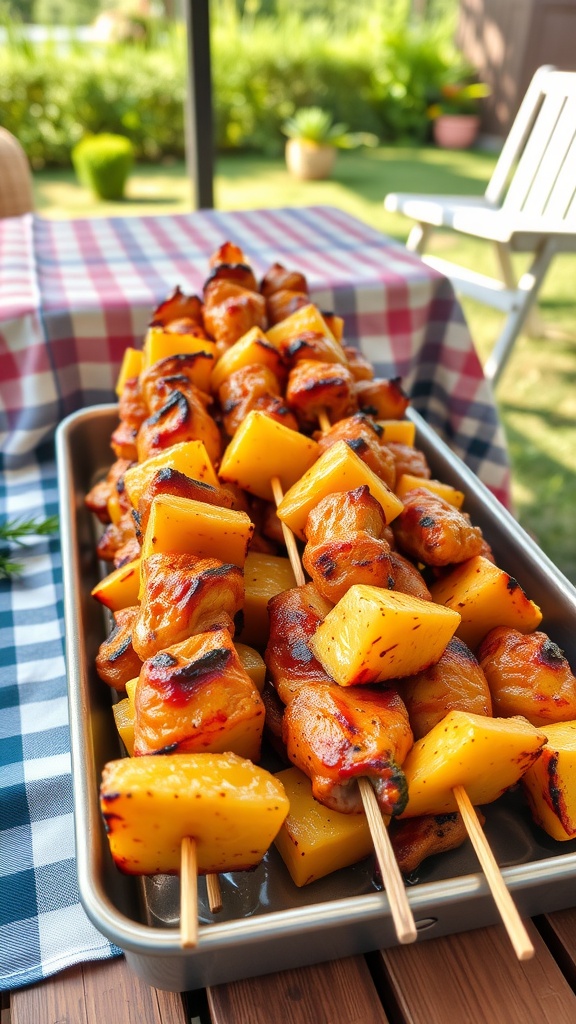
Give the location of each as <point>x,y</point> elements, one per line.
<point>237,465</point>
<point>444,533</point>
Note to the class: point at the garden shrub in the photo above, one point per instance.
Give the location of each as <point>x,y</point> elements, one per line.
<point>377,76</point>
<point>103,163</point>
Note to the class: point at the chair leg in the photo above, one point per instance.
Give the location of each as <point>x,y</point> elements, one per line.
<point>527,290</point>
<point>534,325</point>
<point>418,238</point>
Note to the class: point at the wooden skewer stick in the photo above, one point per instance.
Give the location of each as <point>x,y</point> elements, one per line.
<point>508,911</point>
<point>188,894</point>
<point>324,421</point>
<point>289,538</point>
<point>214,893</point>
<point>391,877</point>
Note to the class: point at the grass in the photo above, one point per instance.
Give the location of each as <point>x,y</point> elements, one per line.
<point>536,395</point>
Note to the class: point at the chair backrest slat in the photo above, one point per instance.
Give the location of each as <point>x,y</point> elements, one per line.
<point>543,156</point>
<point>537,163</point>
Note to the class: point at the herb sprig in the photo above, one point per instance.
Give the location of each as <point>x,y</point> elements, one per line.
<point>18,531</point>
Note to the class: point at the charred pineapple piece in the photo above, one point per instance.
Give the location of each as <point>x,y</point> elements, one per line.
<point>262,449</point>
<point>486,597</point>
<point>185,526</point>
<point>550,783</point>
<point>337,469</point>
<point>229,806</point>
<point>484,755</point>
<point>315,840</point>
<point>120,588</point>
<point>374,634</point>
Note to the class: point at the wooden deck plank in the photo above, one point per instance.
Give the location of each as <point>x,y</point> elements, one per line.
<point>559,931</point>
<point>475,976</point>
<point>340,992</point>
<point>98,993</point>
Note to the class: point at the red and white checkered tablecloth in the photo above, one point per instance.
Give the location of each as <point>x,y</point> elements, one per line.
<point>74,294</point>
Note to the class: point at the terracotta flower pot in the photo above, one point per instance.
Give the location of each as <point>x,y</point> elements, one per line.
<point>456,131</point>
<point>308,160</point>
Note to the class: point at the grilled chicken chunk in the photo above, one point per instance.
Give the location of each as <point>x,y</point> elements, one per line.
<point>455,683</point>
<point>184,595</point>
<point>196,697</point>
<point>337,734</point>
<point>415,839</point>
<point>253,387</point>
<point>231,310</point>
<point>119,543</point>
<point>381,398</point>
<point>316,387</point>
<point>132,412</point>
<point>434,532</point>
<point>361,368</point>
<point>294,615</point>
<point>173,373</point>
<point>278,278</point>
<point>345,545</point>
<point>178,306</point>
<point>283,303</point>
<point>98,496</point>
<point>308,345</point>
<point>182,418</point>
<point>117,661</point>
<point>528,675</point>
<point>409,460</point>
<point>171,481</point>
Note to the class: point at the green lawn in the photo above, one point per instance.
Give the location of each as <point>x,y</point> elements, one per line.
<point>536,394</point>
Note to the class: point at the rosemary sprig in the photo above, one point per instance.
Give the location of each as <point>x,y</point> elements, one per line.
<point>17,531</point>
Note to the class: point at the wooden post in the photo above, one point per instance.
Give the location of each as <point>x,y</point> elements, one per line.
<point>198,108</point>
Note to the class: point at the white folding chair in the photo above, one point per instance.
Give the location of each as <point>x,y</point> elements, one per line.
<point>529,206</point>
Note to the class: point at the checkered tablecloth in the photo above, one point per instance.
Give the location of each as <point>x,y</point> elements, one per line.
<point>73,295</point>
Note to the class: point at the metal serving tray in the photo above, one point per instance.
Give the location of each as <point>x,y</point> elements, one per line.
<point>267,923</point>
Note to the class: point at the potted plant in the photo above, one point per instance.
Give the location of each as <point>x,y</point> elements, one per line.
<point>314,139</point>
<point>456,113</point>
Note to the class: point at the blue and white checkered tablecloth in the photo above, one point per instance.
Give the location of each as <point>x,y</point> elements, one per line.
<point>72,296</point>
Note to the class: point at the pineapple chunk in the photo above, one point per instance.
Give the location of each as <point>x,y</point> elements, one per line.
<point>184,526</point>
<point>159,344</point>
<point>339,468</point>
<point>231,808</point>
<point>264,577</point>
<point>120,588</point>
<point>253,664</point>
<point>486,597</point>
<point>374,634</point>
<point>314,840</point>
<point>131,366</point>
<point>408,482</point>
<point>253,347</point>
<point>550,783</point>
<point>335,325</point>
<point>400,431</point>
<point>484,755</point>
<point>123,713</point>
<point>188,457</point>
<point>262,449</point>
<point>307,318</point>
<point>115,510</point>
